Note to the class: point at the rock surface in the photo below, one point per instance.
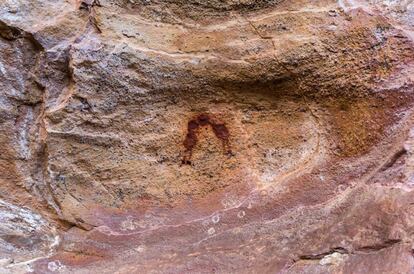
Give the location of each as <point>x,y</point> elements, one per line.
<point>189,136</point>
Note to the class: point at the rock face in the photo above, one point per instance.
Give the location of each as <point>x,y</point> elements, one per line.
<point>190,136</point>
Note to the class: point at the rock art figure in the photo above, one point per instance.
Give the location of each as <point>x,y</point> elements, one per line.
<point>100,172</point>
<point>219,129</point>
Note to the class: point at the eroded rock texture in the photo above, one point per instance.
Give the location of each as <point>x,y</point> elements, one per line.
<point>214,136</point>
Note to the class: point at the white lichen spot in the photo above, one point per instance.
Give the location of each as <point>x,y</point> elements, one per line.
<point>342,5</point>
<point>128,224</point>
<point>148,222</point>
<point>335,258</point>
<point>205,222</point>
<point>230,201</point>
<point>56,241</point>
<point>211,231</point>
<point>241,214</point>
<point>215,219</point>
<point>2,69</point>
<point>332,27</point>
<point>29,268</point>
<point>55,266</point>
<point>268,176</point>
<point>140,248</point>
<point>6,261</point>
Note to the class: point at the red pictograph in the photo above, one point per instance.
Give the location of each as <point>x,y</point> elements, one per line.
<point>219,129</point>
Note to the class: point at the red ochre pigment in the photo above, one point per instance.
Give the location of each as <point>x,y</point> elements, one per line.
<point>219,129</point>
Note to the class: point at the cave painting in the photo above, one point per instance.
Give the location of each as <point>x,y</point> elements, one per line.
<point>201,120</point>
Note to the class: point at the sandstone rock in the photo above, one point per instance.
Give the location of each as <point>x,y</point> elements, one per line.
<point>177,136</point>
